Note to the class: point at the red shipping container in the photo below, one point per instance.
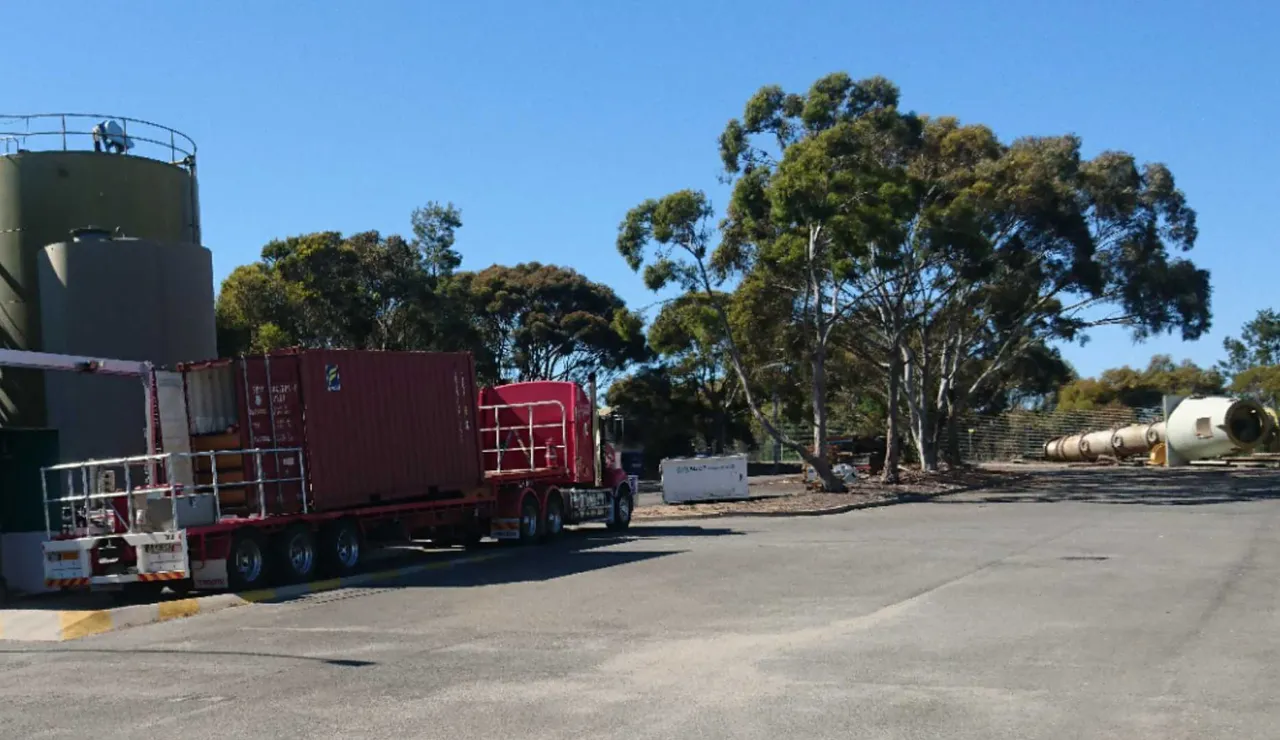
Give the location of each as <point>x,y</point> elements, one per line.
<point>555,415</point>
<point>376,427</point>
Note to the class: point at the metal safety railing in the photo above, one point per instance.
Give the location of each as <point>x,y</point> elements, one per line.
<point>74,131</point>
<point>96,490</point>
<point>552,450</point>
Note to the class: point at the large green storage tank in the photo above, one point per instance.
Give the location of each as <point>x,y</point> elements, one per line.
<point>164,316</point>
<point>53,181</point>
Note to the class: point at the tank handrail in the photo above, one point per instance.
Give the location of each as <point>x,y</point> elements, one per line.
<point>178,143</point>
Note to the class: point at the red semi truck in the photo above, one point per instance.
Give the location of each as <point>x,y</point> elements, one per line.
<point>280,467</point>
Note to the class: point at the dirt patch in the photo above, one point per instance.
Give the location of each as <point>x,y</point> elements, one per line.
<point>788,495</point>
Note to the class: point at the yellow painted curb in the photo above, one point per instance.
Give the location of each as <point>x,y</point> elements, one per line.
<point>264,594</point>
<point>75,625</point>
<point>178,609</point>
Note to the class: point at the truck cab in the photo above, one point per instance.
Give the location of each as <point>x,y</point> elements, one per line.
<point>541,446</point>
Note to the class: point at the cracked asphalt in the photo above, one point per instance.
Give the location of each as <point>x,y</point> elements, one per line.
<point>1110,603</point>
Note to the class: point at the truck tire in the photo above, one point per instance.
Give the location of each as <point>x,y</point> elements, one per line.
<point>553,524</point>
<point>296,553</point>
<point>530,520</point>
<point>622,504</point>
<point>341,547</point>
<point>247,566</point>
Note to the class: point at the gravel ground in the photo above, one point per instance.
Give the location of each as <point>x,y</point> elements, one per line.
<point>783,494</point>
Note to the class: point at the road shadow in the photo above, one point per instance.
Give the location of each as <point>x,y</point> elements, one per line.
<point>1131,486</point>
<point>576,552</point>
<point>490,563</point>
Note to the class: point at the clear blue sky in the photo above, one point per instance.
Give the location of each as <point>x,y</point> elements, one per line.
<point>546,121</point>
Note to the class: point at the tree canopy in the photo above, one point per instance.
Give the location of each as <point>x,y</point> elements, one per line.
<point>1253,359</point>
<point>369,291</point>
<point>1144,388</point>
<point>949,261</point>
<point>886,269</point>
<point>546,322</point>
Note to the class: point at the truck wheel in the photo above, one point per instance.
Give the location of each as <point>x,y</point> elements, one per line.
<point>340,548</point>
<point>246,561</point>
<point>554,525</point>
<point>529,517</point>
<point>296,550</point>
<point>621,511</point>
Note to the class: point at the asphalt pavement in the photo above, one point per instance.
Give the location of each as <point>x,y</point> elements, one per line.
<point>1091,604</point>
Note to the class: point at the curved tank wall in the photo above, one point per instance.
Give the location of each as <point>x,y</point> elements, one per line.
<point>132,299</point>
<point>1200,428</point>
<point>46,194</point>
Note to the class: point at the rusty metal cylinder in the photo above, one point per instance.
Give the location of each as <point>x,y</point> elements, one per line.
<point>1097,444</point>
<point>1135,439</point>
<point>1071,449</point>
<point>1155,433</point>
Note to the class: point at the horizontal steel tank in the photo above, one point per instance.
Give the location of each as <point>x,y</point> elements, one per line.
<point>1097,444</point>
<point>1199,428</point>
<point>1070,448</point>
<point>1136,439</point>
<point>53,180</point>
<point>132,299</point>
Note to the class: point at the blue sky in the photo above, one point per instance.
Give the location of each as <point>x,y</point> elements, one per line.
<point>546,121</point>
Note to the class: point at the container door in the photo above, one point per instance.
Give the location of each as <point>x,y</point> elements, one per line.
<point>171,409</point>
<point>270,394</point>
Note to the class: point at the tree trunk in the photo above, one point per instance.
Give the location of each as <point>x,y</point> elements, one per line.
<point>721,430</point>
<point>819,386</point>
<point>954,455</point>
<point>922,433</point>
<point>893,451</point>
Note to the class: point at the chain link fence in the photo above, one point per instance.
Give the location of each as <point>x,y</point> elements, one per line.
<point>1021,434</point>
<point>982,438</point>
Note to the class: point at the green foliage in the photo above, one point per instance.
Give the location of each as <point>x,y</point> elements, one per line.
<point>691,340</point>
<point>1261,382</point>
<point>659,413</point>
<point>1253,359</point>
<point>361,291</point>
<point>434,230</point>
<point>326,290</point>
<point>545,322</point>
<point>1258,345</point>
<point>1127,387</point>
<point>944,260</point>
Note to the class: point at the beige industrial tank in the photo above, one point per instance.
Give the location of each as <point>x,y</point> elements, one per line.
<point>1203,427</point>
<point>53,181</point>
<point>132,299</point>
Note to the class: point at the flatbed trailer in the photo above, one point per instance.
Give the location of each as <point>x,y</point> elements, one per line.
<point>150,521</point>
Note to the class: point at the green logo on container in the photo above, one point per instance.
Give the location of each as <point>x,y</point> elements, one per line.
<point>332,378</point>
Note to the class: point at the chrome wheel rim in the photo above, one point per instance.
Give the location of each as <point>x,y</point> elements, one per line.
<point>555,520</point>
<point>624,508</point>
<point>530,521</point>
<point>301,554</point>
<point>248,561</point>
<point>348,547</point>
